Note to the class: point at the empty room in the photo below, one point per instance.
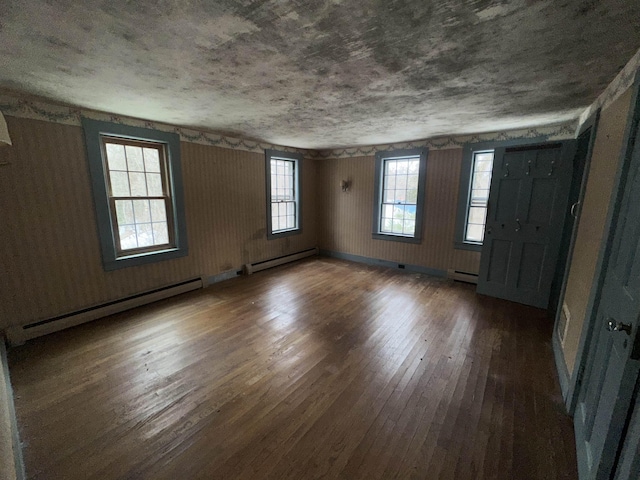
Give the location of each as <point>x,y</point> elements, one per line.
<point>340,239</point>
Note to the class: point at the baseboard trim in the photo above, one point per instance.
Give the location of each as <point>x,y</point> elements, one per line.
<point>384,263</point>
<point>221,277</point>
<point>561,365</point>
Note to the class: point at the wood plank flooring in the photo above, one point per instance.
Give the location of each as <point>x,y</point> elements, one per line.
<point>318,369</point>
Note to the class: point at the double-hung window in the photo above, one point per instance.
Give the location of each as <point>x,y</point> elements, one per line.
<point>137,193</point>
<point>399,199</point>
<point>283,193</point>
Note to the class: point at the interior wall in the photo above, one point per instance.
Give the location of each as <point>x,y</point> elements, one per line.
<point>345,219</point>
<point>604,164</point>
<point>51,254</point>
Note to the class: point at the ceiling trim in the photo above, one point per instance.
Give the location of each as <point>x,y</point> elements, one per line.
<point>12,104</point>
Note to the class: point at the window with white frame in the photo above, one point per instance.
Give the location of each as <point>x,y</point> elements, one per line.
<point>139,194</point>
<point>137,187</point>
<point>482,166</point>
<point>283,193</point>
<point>398,211</point>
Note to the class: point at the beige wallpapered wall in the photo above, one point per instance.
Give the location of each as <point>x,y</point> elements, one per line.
<point>604,163</point>
<point>51,256</point>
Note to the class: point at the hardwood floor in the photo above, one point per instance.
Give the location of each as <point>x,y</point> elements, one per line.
<point>318,369</point>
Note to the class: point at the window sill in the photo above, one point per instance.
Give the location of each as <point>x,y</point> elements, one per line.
<point>474,247</point>
<point>396,238</point>
<point>144,258</point>
<point>285,233</point>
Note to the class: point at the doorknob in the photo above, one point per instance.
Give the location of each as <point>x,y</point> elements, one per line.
<point>614,326</point>
<point>574,210</point>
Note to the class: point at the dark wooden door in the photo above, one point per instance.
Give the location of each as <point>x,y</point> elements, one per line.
<point>527,206</point>
<point>612,364</point>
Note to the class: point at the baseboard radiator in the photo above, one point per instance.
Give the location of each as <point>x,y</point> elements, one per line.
<point>19,334</point>
<point>250,268</point>
<point>463,276</point>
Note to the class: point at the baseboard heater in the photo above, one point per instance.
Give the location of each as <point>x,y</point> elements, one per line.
<point>463,276</point>
<point>250,268</point>
<point>19,334</point>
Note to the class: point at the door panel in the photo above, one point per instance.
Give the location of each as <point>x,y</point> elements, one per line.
<point>527,204</point>
<point>612,367</point>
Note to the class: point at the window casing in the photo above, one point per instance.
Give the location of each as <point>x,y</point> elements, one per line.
<point>137,187</point>
<point>283,173</point>
<point>399,202</point>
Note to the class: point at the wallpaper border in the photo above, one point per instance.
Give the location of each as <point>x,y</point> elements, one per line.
<point>12,104</point>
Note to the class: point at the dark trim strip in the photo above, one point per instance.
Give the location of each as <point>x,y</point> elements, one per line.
<point>384,263</point>
<point>283,256</point>
<point>107,304</point>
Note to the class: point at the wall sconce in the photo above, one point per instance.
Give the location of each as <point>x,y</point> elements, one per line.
<point>345,185</point>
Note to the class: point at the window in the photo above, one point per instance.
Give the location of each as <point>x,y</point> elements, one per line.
<point>137,191</point>
<point>283,193</point>
<point>399,203</point>
<point>482,165</point>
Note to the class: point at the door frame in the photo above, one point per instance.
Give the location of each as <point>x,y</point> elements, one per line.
<point>577,377</point>
<point>561,366</point>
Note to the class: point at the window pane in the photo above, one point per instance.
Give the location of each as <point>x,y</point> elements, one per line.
<point>487,156</point>
<point>138,184</point>
<point>414,167</point>
<point>158,211</point>
<point>412,195</point>
<point>477,215</point>
<point>115,156</point>
<point>402,167</point>
<point>291,207</point>
<point>290,221</point>
<point>401,182</point>
<point>483,166</point>
<point>119,184</point>
<point>475,233</point>
<point>479,197</point>
<point>389,182</point>
<point>134,159</point>
<point>275,222</point>
<point>481,180</point>
<point>390,167</point>
<point>141,211</point>
<point>144,233</point>
<point>410,211</point>
<point>154,184</point>
<point>151,160</point>
<point>160,233</point>
<point>409,227</point>
<point>124,212</point>
<point>389,196</point>
<point>127,237</point>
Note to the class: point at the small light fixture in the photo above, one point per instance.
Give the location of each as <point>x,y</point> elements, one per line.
<point>5,139</point>
<point>345,185</point>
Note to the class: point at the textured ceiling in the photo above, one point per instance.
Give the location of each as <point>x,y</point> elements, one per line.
<point>319,74</point>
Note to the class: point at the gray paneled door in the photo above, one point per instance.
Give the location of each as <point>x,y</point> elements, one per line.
<point>612,364</point>
<point>527,206</point>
